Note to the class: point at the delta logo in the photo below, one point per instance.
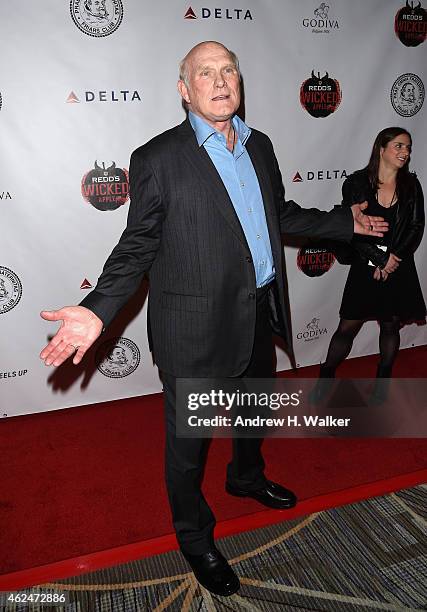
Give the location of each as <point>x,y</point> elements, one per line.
<point>86,284</point>
<point>410,24</point>
<point>319,175</point>
<point>219,13</point>
<point>114,95</point>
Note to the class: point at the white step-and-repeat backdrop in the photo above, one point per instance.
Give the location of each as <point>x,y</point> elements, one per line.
<point>85,82</point>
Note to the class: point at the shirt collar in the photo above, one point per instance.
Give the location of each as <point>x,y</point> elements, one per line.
<point>203,130</point>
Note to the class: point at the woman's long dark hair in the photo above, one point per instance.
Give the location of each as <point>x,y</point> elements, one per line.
<point>404,178</point>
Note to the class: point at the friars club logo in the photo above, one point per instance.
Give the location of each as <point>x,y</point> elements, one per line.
<point>322,21</point>
<point>319,175</point>
<point>407,94</point>
<point>410,24</point>
<point>97,17</point>
<point>219,13</point>
<point>117,357</point>
<point>10,289</point>
<point>313,330</point>
<point>112,95</point>
<point>5,195</point>
<point>106,188</point>
<point>320,95</point>
<point>315,261</point>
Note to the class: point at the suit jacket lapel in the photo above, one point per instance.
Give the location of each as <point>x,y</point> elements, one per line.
<point>206,170</point>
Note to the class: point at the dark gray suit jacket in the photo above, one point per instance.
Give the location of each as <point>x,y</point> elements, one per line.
<point>183,232</point>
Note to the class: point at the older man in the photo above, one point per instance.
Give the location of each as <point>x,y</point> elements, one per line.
<point>205,222</point>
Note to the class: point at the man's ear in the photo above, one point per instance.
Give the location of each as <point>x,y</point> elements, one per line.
<point>183,90</point>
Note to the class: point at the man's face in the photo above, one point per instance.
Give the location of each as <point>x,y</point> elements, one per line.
<point>213,91</point>
<point>96,8</point>
<point>118,355</point>
<point>408,92</point>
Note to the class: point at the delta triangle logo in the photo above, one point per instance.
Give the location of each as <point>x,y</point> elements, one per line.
<point>297,178</point>
<point>190,14</point>
<point>72,99</point>
<point>85,284</point>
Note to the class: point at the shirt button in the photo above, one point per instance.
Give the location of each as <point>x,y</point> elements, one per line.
<point>251,296</point>
<point>258,236</point>
<point>250,210</point>
<point>242,184</point>
<point>249,259</point>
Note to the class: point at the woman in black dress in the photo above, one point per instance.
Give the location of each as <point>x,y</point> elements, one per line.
<point>382,283</point>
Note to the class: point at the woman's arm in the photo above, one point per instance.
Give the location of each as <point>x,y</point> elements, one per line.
<point>410,241</point>
<point>355,189</point>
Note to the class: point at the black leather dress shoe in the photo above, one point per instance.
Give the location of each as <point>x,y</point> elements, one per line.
<point>213,572</point>
<point>271,495</point>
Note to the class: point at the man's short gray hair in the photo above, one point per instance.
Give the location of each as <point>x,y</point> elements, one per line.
<point>183,64</point>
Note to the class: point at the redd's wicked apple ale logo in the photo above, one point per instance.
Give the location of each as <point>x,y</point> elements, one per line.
<point>410,24</point>
<point>315,261</point>
<point>106,188</point>
<point>320,95</point>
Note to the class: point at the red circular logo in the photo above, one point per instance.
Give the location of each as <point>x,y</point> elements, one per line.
<point>315,260</point>
<point>320,96</point>
<point>106,188</point>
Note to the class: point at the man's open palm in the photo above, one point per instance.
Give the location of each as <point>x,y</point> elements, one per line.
<point>80,327</point>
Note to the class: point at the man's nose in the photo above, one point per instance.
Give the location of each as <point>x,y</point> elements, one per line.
<point>220,81</point>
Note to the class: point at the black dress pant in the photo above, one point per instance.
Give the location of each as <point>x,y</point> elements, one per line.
<point>185,459</point>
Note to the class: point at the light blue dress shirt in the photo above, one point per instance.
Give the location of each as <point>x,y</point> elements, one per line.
<point>239,178</point>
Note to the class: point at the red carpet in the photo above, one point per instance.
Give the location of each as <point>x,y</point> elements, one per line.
<point>90,479</point>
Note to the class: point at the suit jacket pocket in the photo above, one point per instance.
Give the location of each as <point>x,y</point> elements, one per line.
<point>179,301</point>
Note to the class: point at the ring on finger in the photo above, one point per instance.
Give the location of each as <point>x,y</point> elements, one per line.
<point>76,348</point>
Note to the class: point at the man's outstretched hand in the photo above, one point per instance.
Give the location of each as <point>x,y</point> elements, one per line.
<point>80,327</point>
<point>367,224</point>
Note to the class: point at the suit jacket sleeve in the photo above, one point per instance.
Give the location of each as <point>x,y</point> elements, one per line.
<point>136,250</point>
<point>336,224</point>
